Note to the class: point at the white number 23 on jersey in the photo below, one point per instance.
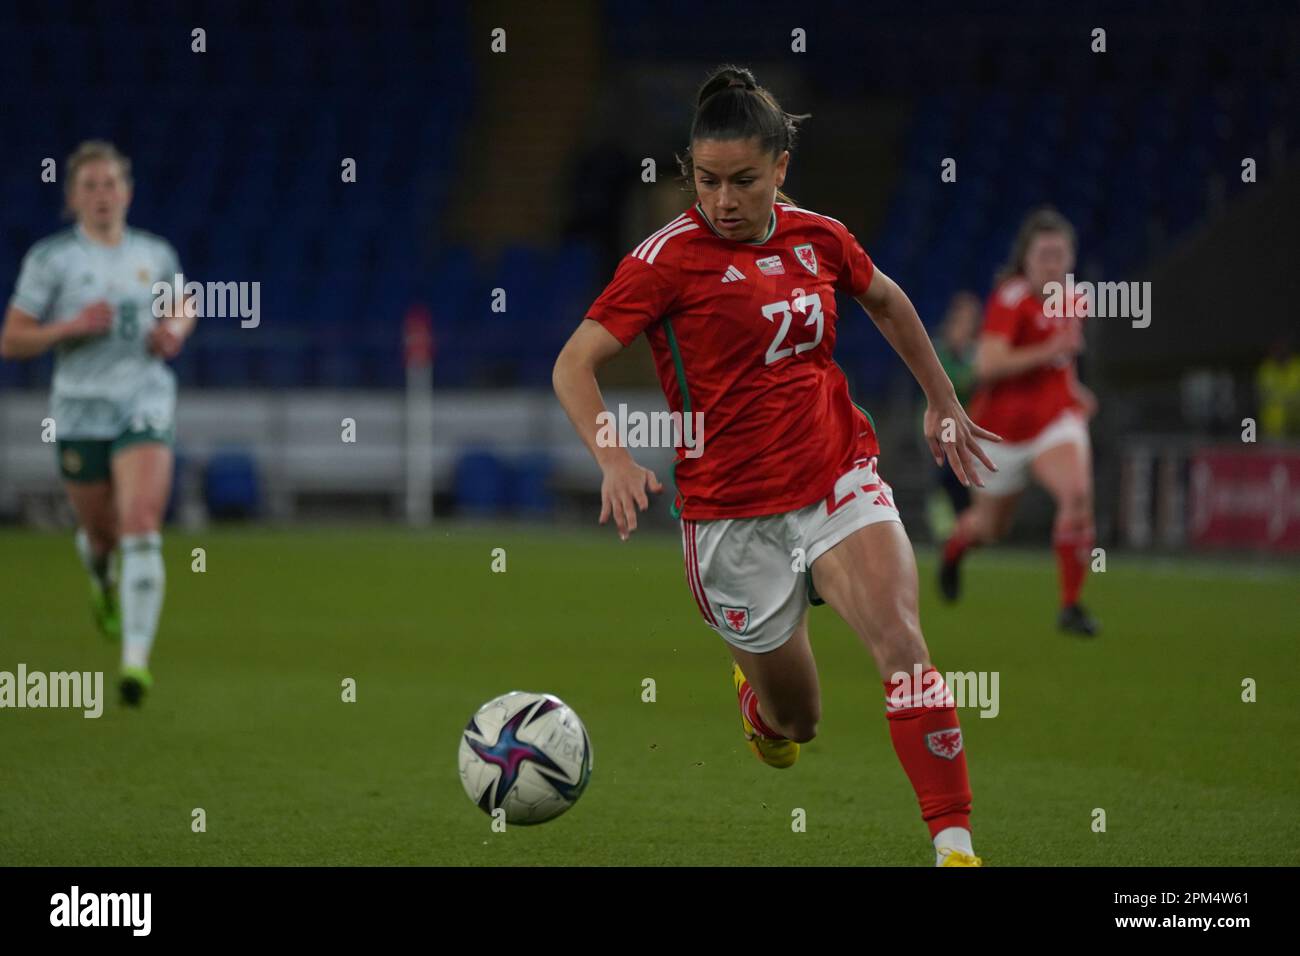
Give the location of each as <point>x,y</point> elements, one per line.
<point>803,304</point>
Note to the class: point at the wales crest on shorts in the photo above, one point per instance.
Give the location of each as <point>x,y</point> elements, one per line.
<point>737,618</point>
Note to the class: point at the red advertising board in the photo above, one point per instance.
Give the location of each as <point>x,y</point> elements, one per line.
<point>1245,498</point>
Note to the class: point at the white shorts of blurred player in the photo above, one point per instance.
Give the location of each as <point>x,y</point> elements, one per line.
<point>1014,458</point>
<point>752,577</point>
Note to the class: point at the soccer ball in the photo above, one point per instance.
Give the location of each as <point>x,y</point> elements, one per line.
<point>527,754</point>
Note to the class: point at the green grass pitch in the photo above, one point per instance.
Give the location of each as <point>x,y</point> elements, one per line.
<point>246,720</point>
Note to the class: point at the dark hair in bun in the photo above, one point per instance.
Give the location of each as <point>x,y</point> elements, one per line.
<point>731,105</point>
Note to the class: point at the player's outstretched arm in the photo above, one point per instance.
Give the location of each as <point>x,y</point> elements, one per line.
<point>624,486</point>
<point>948,430</point>
<point>25,337</point>
<point>996,358</point>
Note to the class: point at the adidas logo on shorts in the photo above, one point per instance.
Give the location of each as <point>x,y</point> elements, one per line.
<point>733,275</point>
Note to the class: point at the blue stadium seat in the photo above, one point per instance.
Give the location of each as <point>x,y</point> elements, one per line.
<point>239,202</point>
<point>482,484</point>
<point>530,486</point>
<point>231,487</point>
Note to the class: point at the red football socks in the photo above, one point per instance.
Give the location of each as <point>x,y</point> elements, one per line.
<point>1072,552</point>
<point>927,738</point>
<point>957,545</point>
<point>749,705</point>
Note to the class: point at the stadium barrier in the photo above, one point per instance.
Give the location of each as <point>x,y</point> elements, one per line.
<point>342,445</point>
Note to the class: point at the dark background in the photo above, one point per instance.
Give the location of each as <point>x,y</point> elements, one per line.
<point>522,170</point>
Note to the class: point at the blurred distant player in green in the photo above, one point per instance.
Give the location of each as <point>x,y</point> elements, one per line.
<point>87,293</point>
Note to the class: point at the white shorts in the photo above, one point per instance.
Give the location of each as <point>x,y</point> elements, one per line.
<point>1014,458</point>
<point>151,405</point>
<point>752,577</point>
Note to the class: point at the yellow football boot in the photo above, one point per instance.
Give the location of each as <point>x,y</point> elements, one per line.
<point>775,753</point>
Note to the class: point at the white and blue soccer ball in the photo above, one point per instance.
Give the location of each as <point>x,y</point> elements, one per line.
<point>526,754</point>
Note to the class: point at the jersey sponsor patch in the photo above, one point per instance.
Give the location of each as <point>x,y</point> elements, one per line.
<point>806,256</point>
<point>770,266</point>
<point>737,618</point>
<point>944,743</point>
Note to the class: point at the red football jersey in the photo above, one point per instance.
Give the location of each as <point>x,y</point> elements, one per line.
<point>743,332</point>
<point>1019,407</point>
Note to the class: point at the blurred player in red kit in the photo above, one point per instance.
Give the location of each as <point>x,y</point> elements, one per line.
<point>1029,393</point>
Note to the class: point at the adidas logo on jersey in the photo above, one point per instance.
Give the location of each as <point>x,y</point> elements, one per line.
<point>733,275</point>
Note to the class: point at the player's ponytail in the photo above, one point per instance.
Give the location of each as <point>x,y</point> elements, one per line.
<point>731,105</point>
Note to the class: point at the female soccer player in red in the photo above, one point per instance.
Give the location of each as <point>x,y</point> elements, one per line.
<point>1029,393</point>
<point>737,298</point>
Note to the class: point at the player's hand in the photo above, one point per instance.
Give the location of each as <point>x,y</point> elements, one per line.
<point>164,341</point>
<point>623,490</point>
<point>94,319</point>
<point>1065,344</point>
<point>951,433</point>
